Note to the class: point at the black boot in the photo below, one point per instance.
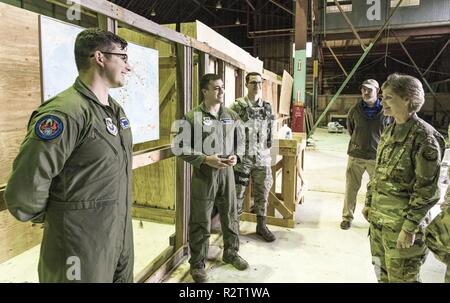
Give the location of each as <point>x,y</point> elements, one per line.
<point>262,230</point>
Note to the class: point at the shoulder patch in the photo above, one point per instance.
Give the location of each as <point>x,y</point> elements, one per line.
<point>48,127</point>
<point>124,123</point>
<point>430,152</point>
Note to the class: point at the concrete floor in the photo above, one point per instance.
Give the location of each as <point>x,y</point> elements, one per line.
<point>316,250</point>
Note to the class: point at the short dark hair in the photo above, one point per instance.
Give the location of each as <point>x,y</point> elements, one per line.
<point>204,81</point>
<point>251,74</point>
<point>92,39</point>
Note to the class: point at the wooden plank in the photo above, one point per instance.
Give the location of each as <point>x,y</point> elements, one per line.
<point>286,94</point>
<point>167,86</point>
<point>154,265</point>
<point>20,86</point>
<point>290,223</point>
<point>151,156</point>
<point>169,97</point>
<point>2,200</point>
<point>157,271</point>
<point>167,62</point>
<point>17,237</point>
<point>116,12</point>
<point>166,216</point>
<point>279,205</point>
<point>183,170</point>
<point>274,98</point>
<point>267,92</point>
<point>216,53</point>
<point>289,182</point>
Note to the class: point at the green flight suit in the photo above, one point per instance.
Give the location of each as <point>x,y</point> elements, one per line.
<point>210,186</point>
<point>400,194</point>
<point>256,162</point>
<point>73,172</point>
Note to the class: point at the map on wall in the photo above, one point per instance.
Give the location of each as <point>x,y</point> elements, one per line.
<point>139,97</point>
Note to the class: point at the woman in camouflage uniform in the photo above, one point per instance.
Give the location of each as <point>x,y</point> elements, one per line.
<point>405,184</point>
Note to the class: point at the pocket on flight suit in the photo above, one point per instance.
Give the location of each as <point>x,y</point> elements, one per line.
<point>89,232</point>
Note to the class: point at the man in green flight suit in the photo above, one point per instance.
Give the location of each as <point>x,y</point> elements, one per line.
<point>73,171</point>
<point>258,118</point>
<point>210,142</point>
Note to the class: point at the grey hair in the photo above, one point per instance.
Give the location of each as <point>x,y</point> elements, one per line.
<point>406,87</point>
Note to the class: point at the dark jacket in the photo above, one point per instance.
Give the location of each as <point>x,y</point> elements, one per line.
<point>365,133</point>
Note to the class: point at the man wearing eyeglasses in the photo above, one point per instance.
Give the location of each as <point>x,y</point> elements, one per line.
<point>73,171</point>
<point>365,123</point>
<point>256,163</point>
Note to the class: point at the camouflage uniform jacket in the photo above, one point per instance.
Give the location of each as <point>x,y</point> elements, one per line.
<point>258,121</point>
<point>405,185</point>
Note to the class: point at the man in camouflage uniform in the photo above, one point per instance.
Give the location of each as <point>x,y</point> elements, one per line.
<point>211,147</point>
<point>257,116</point>
<point>405,184</point>
<point>73,171</point>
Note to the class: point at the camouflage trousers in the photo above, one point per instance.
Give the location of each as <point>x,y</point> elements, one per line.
<point>262,180</point>
<point>437,239</point>
<point>392,264</point>
<point>355,170</point>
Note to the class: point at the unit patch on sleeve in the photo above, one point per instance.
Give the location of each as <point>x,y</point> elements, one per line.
<point>124,123</point>
<point>48,127</point>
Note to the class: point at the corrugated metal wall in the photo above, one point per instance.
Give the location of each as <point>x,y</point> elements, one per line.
<point>276,52</point>
<point>431,12</point>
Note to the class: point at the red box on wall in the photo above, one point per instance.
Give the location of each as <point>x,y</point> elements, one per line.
<point>298,118</point>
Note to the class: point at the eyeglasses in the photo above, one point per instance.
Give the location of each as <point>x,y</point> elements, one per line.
<point>255,83</point>
<point>124,57</point>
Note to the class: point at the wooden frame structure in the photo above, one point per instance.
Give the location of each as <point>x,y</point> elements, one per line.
<point>289,161</point>
<point>109,15</point>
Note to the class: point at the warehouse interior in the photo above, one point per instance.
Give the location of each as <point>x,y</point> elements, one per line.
<point>312,54</point>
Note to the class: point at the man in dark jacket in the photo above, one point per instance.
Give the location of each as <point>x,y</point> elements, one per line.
<point>73,171</point>
<point>365,123</point>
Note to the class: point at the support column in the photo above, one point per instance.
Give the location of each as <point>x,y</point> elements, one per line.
<point>301,27</point>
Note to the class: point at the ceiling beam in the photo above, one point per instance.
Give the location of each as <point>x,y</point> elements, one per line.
<point>250,4</point>
<point>406,32</point>
<point>282,7</point>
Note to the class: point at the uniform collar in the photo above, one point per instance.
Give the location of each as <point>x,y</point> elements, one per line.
<point>85,91</point>
<point>203,109</point>
<point>400,132</point>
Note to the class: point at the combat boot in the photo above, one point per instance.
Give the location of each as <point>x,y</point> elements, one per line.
<point>199,275</point>
<point>262,230</point>
<point>237,261</point>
